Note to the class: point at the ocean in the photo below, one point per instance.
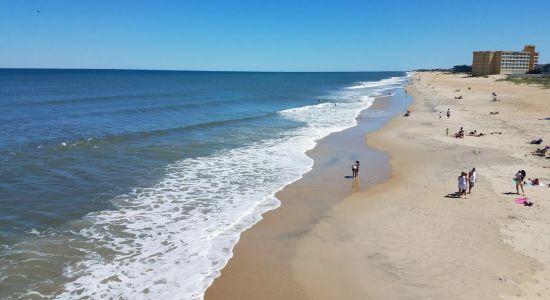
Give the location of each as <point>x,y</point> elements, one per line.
<point>137,184</point>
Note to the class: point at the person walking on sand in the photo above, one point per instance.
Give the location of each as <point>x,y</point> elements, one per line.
<point>448,113</point>
<point>520,176</point>
<point>462,184</point>
<point>355,169</point>
<point>439,115</point>
<point>472,176</point>
<point>447,131</point>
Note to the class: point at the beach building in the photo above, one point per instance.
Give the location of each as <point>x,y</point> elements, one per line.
<point>504,62</point>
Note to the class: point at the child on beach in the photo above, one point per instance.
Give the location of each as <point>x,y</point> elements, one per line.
<point>462,184</point>
<point>520,176</point>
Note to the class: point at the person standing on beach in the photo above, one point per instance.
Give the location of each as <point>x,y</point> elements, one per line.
<point>472,176</point>
<point>448,113</point>
<point>355,169</point>
<point>447,131</point>
<point>462,184</point>
<point>520,176</point>
<point>439,115</point>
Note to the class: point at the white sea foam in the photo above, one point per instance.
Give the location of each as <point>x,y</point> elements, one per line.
<point>171,240</point>
<point>381,83</point>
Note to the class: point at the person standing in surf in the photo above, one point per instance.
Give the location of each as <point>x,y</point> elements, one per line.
<point>355,169</point>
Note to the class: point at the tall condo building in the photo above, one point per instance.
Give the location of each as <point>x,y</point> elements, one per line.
<point>504,62</point>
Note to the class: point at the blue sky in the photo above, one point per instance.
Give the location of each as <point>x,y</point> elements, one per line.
<point>283,35</point>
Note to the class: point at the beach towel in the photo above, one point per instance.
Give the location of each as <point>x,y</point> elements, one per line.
<point>520,200</point>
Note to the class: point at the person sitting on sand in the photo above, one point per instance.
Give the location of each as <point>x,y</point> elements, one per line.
<point>520,176</point>
<point>536,142</point>
<point>542,151</point>
<point>462,184</point>
<point>460,133</point>
<point>534,181</point>
<point>459,97</point>
<point>408,113</point>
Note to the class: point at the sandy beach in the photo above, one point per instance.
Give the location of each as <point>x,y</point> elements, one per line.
<point>408,236</point>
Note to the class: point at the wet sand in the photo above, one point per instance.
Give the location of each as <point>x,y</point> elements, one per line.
<point>262,258</point>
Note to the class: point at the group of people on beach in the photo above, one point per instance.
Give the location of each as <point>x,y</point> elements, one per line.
<point>460,133</point>
<point>466,181</point>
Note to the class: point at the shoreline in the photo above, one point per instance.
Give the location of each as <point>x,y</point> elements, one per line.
<point>409,237</point>
<point>317,191</point>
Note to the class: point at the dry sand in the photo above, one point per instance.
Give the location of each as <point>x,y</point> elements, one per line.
<point>407,238</point>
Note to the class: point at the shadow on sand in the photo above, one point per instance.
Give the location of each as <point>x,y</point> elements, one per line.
<point>453,195</point>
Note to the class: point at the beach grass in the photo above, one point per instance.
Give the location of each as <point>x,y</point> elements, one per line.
<point>540,81</point>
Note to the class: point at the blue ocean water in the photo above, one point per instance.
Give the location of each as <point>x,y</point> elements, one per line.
<point>112,178</point>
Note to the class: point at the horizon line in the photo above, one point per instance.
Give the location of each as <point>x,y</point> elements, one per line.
<point>184,70</point>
